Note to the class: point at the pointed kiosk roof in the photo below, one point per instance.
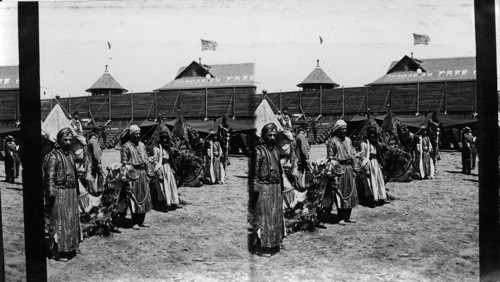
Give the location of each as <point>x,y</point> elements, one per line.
<point>107,82</point>
<point>318,76</point>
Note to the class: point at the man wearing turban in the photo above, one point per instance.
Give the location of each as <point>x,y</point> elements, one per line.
<point>339,148</point>
<point>266,194</point>
<point>61,198</point>
<point>133,153</point>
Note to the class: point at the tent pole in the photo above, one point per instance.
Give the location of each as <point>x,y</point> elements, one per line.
<point>206,103</point>
<point>156,105</point>
<point>418,98</point>
<point>321,100</point>
<point>109,105</point>
<point>445,94</point>
<point>234,97</point>
<point>343,101</point>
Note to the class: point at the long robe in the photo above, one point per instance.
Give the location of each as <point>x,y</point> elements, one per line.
<point>376,178</point>
<point>266,197</point>
<point>344,153</point>
<point>168,185</point>
<point>136,156</point>
<point>61,194</point>
<point>425,165</point>
<point>214,170</point>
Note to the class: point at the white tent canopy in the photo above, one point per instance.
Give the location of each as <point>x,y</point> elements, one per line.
<point>55,121</point>
<point>264,115</point>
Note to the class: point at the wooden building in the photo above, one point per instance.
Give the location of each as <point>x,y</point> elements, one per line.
<point>206,91</point>
<point>9,96</point>
<point>420,85</point>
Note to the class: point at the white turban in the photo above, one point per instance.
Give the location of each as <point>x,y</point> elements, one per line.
<point>134,128</point>
<point>339,124</point>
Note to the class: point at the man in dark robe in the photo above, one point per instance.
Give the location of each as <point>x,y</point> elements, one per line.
<point>266,194</point>
<point>96,171</point>
<point>224,133</point>
<point>314,128</point>
<point>61,198</point>
<point>133,153</point>
<point>10,151</point>
<point>467,140</point>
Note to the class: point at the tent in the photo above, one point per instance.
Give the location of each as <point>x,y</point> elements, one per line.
<point>55,121</point>
<point>416,122</point>
<point>264,115</point>
<point>237,126</point>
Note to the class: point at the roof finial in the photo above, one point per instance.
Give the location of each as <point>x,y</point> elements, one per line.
<point>106,68</point>
<point>317,63</point>
<point>412,55</point>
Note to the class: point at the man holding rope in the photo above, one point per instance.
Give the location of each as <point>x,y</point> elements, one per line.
<point>340,148</point>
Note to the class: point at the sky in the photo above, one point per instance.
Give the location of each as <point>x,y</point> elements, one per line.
<point>151,40</point>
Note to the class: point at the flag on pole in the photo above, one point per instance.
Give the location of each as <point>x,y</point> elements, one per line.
<point>109,45</point>
<point>320,40</point>
<point>421,39</point>
<point>208,45</point>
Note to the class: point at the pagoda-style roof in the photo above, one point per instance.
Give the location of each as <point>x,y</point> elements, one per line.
<point>106,82</point>
<point>318,77</point>
<point>410,70</point>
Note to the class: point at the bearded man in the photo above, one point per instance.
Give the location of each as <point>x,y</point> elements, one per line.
<point>340,148</point>
<point>266,194</point>
<point>133,153</point>
<point>61,198</point>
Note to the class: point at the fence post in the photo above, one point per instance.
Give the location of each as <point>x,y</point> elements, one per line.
<point>418,98</point>
<point>132,105</point>
<point>367,106</point>
<point>321,100</point>
<point>109,106</point>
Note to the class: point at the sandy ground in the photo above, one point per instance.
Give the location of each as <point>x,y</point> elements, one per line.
<point>429,234</point>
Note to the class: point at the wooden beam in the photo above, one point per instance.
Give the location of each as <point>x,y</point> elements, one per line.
<point>487,128</point>
<point>109,106</point>
<point>321,100</point>
<point>31,142</point>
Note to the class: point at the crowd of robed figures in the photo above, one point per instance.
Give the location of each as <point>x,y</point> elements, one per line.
<point>352,172</point>
<point>73,175</point>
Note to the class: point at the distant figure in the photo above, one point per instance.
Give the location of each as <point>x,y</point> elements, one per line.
<point>214,170</point>
<point>434,127</point>
<point>473,150</point>
<point>265,205</point>
<point>285,120</point>
<point>163,169</point>
<point>17,158</point>
<point>372,166</point>
<point>424,151</point>
<point>10,153</point>
<point>95,153</point>
<point>302,152</point>
<point>314,128</point>
<point>340,148</point>
<point>76,123</point>
<point>133,153</point>
<point>467,143</point>
<point>61,198</point>
<point>224,133</point>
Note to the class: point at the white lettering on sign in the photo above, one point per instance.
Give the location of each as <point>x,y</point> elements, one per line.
<point>17,81</point>
<point>441,72</point>
<point>474,73</point>
<point>6,81</point>
<point>449,73</point>
<point>464,72</point>
<point>1,80</point>
<point>215,79</point>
